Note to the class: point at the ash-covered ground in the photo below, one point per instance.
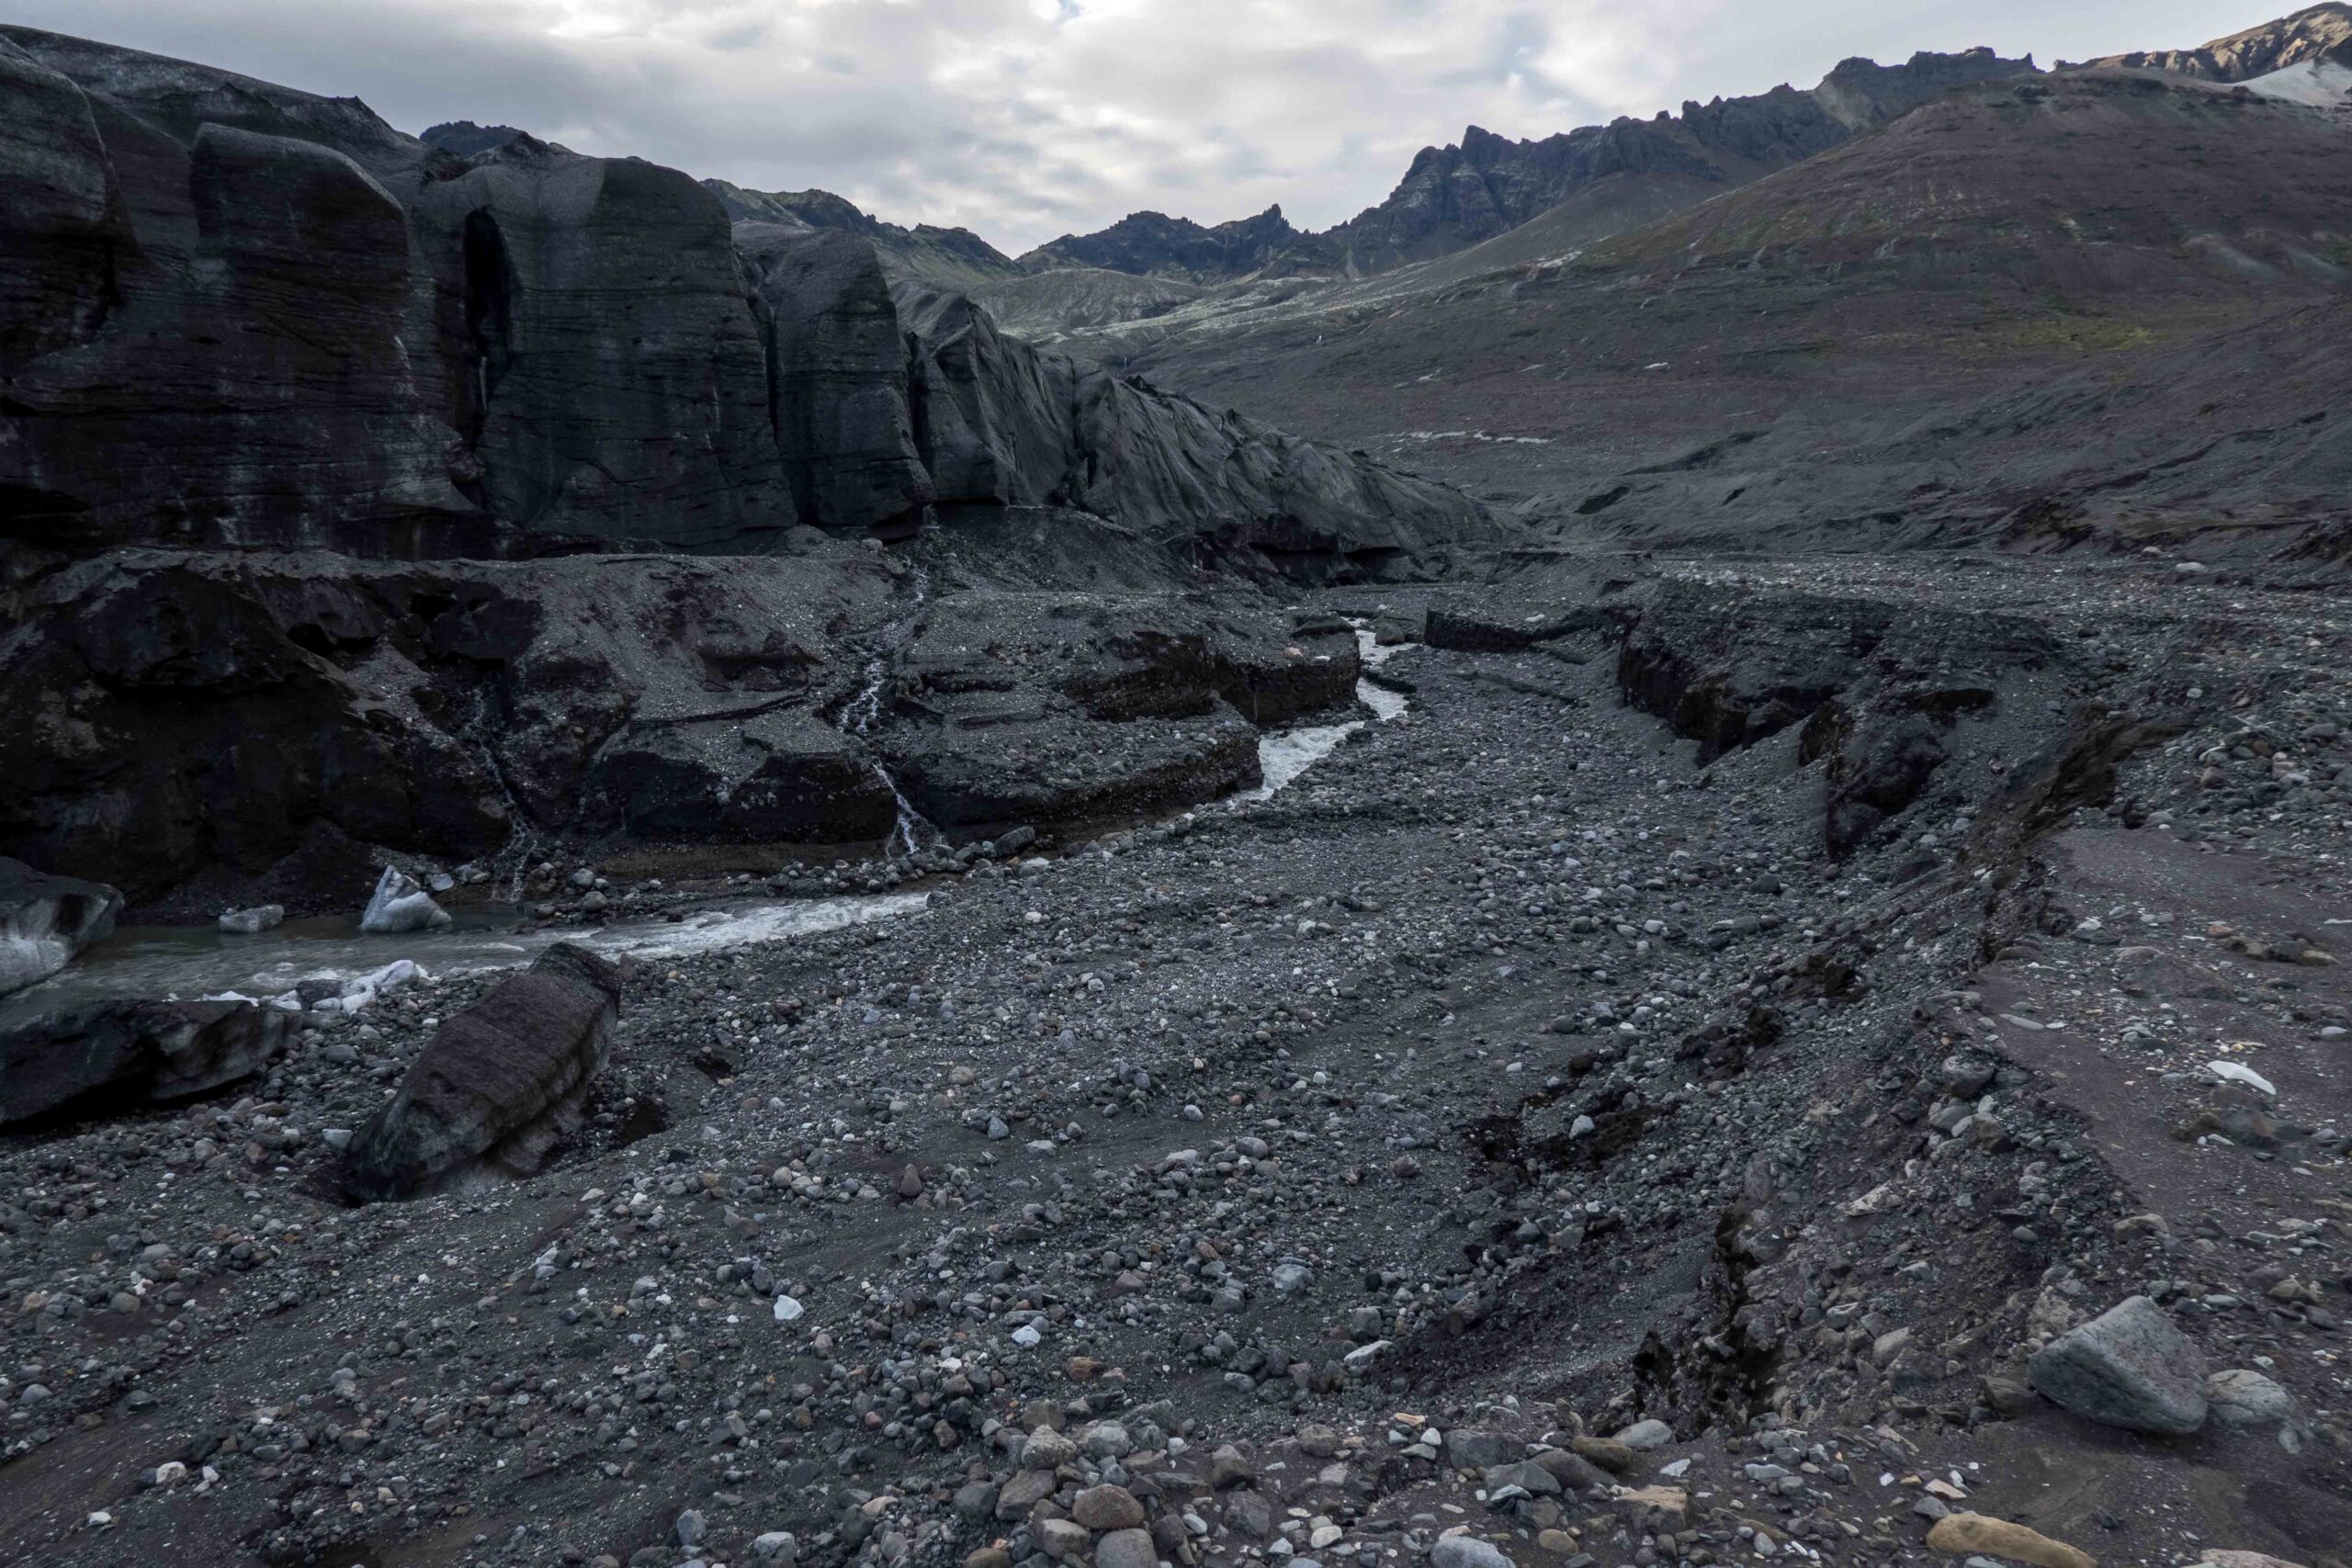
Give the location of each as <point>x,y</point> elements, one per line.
<point>1648,1103</point>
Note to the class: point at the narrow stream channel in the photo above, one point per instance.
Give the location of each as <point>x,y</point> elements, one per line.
<point>188,962</point>
<point>1284,755</point>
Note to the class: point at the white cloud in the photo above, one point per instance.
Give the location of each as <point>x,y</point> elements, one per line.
<point>1026,119</point>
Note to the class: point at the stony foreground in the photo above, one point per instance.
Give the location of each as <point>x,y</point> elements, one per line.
<point>1518,1139</point>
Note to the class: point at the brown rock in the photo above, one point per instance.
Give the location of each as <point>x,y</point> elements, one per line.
<point>1023,1492</point>
<point>1063,1540</point>
<point>1107,1508</point>
<point>1639,1502</point>
<point>1572,1469</point>
<point>1960,1534</point>
<point>1607,1452</point>
<point>2007,1395</point>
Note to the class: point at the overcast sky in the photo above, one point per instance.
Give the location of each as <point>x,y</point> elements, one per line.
<point>1028,119</point>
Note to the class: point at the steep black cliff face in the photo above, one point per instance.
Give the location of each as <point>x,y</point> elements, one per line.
<point>319,332</point>
<point>237,315</point>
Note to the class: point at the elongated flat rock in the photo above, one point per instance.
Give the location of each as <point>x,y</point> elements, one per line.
<point>500,1082</point>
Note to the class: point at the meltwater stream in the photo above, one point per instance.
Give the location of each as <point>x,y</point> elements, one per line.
<point>1284,756</point>
<point>162,962</point>
<point>185,962</point>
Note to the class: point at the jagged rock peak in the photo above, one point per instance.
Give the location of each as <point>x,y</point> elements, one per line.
<point>464,138</point>
<point>805,208</point>
<point>1153,244</point>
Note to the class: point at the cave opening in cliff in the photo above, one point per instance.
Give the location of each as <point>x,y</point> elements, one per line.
<point>489,320</point>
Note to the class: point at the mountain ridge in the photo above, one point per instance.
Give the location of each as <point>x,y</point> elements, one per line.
<point>2318,32</point>
<point>953,257</point>
<point>1453,196</point>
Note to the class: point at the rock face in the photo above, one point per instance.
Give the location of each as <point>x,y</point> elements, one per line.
<point>117,1054</point>
<point>839,370</point>
<point>1122,704</point>
<point>265,716</point>
<point>1004,423</point>
<point>237,314</point>
<point>232,728</point>
<point>499,1084</point>
<point>45,920</point>
<point>464,138</point>
<point>1875,689</point>
<point>2128,1367</point>
<point>321,332</point>
<point>1878,696</point>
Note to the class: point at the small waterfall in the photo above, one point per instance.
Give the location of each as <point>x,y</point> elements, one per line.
<point>865,709</point>
<point>864,712</point>
<point>909,820</point>
<point>523,838</point>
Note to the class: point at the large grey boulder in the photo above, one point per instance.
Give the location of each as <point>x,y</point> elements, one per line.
<point>113,1055</point>
<point>2242,1398</point>
<point>1468,1551</point>
<point>500,1083</point>
<point>2128,1367</point>
<point>46,919</point>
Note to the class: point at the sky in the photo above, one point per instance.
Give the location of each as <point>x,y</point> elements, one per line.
<point>1024,120</point>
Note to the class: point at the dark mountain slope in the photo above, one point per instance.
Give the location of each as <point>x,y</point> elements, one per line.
<point>1611,177</point>
<point>1454,196</point>
<point>2097,181</point>
<point>1820,357</point>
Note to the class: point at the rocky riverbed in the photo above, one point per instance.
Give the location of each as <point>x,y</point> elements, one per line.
<point>1686,1090</point>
